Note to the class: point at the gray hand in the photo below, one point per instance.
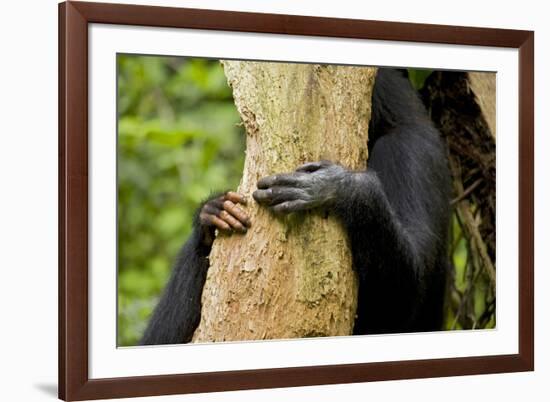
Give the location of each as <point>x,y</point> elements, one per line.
<point>313,185</point>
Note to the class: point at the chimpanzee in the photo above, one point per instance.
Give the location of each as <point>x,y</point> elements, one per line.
<point>396,214</point>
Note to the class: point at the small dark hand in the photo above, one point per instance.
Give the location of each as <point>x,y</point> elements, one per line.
<point>313,185</point>
<point>225,214</point>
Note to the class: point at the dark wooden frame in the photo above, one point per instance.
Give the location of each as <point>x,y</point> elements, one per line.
<point>74,17</point>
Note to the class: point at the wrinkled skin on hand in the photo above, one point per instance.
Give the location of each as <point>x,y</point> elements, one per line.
<point>223,213</point>
<point>312,185</point>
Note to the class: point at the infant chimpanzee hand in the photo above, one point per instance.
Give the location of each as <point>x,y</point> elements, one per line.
<point>223,213</point>
<point>313,185</point>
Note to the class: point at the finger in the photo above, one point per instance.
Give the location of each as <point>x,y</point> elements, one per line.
<point>277,195</point>
<point>211,208</point>
<point>263,196</point>
<point>290,206</point>
<point>236,212</point>
<point>235,197</point>
<point>216,203</point>
<point>232,221</point>
<point>313,166</point>
<point>286,179</point>
<point>309,167</point>
<point>215,221</point>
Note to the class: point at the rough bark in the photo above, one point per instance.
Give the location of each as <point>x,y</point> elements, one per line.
<point>289,277</point>
<point>484,87</point>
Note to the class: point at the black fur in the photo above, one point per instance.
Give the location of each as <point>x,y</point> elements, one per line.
<point>178,312</point>
<point>396,215</point>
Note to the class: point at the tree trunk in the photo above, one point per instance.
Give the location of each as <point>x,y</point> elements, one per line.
<point>484,87</point>
<point>292,276</point>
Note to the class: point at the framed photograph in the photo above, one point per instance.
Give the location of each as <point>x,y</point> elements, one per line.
<point>260,200</point>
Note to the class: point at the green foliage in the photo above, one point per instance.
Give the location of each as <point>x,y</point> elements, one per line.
<point>470,295</point>
<point>179,139</point>
<point>418,77</point>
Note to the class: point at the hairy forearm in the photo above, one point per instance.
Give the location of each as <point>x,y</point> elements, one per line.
<point>383,255</point>
<point>378,239</point>
<point>178,312</point>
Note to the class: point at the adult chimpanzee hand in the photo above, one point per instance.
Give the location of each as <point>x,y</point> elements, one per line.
<point>223,213</point>
<point>313,185</point>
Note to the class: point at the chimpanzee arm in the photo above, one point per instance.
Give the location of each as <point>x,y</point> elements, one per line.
<point>178,312</point>
<point>396,216</point>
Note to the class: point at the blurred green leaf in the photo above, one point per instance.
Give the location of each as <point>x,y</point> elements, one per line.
<point>418,77</point>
